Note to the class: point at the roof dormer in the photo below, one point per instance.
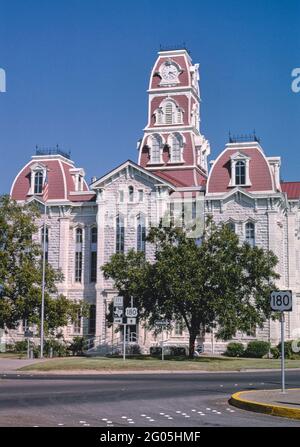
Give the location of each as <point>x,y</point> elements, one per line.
<point>239,164</point>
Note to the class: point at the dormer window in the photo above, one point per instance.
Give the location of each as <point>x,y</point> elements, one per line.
<point>37,178</point>
<point>240,170</point>
<point>240,173</point>
<point>38,182</point>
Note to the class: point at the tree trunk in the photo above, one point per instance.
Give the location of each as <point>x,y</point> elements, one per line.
<point>193,335</point>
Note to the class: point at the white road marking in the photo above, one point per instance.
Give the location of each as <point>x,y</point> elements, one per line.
<point>83,422</point>
<point>124,417</point>
<point>151,420</point>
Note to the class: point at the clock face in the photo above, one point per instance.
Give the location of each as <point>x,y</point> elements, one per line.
<point>169,72</point>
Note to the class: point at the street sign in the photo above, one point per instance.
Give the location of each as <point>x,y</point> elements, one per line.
<point>282,300</point>
<point>118,301</point>
<point>161,323</point>
<point>131,321</point>
<point>118,320</point>
<point>118,310</point>
<point>131,312</point>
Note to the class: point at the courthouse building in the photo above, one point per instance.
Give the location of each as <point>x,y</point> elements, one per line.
<point>87,223</point>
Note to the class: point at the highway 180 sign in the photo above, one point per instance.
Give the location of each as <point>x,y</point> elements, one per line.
<point>281,301</point>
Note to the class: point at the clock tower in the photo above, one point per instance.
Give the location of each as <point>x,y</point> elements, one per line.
<point>173,146</point>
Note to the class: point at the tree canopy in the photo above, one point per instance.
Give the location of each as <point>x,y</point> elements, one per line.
<point>216,282</point>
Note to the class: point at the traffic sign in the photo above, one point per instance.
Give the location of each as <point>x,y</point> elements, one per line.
<point>131,321</point>
<point>118,301</point>
<point>118,320</point>
<point>118,312</point>
<point>131,312</point>
<point>282,300</point>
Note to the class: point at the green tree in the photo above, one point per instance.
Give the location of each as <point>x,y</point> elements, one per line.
<point>21,273</point>
<point>212,283</point>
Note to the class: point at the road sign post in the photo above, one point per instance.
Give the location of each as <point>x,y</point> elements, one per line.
<point>282,301</point>
<point>124,342</point>
<point>282,354</point>
<point>162,324</point>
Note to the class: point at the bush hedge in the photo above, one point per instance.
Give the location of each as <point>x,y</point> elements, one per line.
<point>257,349</point>
<point>235,350</point>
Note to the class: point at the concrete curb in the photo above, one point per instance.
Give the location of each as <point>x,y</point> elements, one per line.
<point>142,371</point>
<point>237,400</point>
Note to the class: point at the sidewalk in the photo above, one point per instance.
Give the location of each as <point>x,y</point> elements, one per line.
<point>272,402</point>
<point>11,365</point>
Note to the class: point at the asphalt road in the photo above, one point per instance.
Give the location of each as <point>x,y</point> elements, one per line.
<point>129,400</point>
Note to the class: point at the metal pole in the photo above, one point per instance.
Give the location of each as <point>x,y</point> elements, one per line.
<point>162,346</point>
<point>282,354</point>
<point>124,343</point>
<point>28,348</point>
<point>43,286</point>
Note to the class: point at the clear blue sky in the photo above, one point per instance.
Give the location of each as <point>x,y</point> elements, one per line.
<point>78,70</point>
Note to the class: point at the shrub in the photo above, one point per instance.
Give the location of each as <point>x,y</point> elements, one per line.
<point>78,346</point>
<point>155,351</point>
<point>257,349</point>
<point>288,350</point>
<point>235,350</point>
<point>275,352</point>
<point>59,349</point>
<point>177,351</point>
<point>133,349</point>
<point>20,346</point>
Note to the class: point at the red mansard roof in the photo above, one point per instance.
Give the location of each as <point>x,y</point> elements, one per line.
<point>292,189</point>
<point>60,181</point>
<point>259,171</point>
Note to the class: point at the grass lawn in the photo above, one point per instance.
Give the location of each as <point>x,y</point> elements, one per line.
<point>151,364</point>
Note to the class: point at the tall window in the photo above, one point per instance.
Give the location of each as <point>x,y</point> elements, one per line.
<point>120,234</point>
<point>78,255</point>
<point>46,241</point>
<point>38,182</point>
<point>250,233</point>
<point>77,323</point>
<point>141,233</point>
<point>240,173</point>
<point>141,195</point>
<point>94,237</point>
<point>121,196</point>
<point>155,149</point>
<point>176,144</point>
<point>130,193</point>
<point>92,320</point>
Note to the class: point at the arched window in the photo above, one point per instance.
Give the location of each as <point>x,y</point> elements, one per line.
<point>141,233</point>
<point>250,233</point>
<point>120,234</point>
<point>38,182</point>
<point>93,271</point>
<point>78,255</point>
<point>46,241</point>
<point>176,148</point>
<point>130,193</point>
<point>240,173</point>
<point>155,155</point>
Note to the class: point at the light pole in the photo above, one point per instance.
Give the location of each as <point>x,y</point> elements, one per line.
<point>43,284</point>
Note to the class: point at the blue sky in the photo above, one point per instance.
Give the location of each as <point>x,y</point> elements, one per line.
<point>78,70</point>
